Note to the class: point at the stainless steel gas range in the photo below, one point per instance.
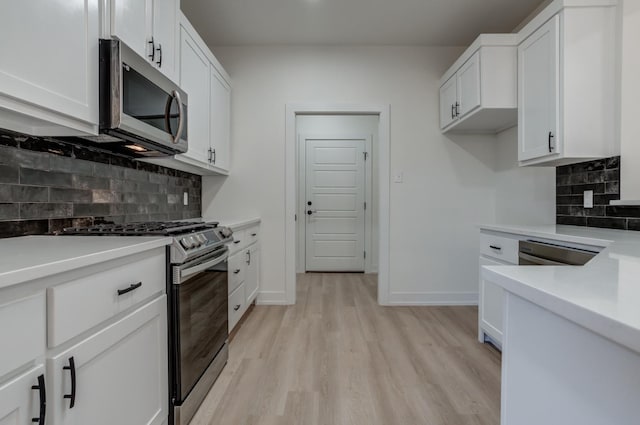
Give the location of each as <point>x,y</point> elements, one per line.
<point>197,281</point>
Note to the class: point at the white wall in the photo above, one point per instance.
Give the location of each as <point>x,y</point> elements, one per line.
<point>450,183</point>
<point>524,195</point>
<point>341,126</point>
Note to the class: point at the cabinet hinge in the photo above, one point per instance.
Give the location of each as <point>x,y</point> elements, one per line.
<point>366,154</point>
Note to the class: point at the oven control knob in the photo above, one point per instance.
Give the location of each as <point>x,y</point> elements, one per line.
<point>195,242</point>
<point>202,238</point>
<point>186,243</point>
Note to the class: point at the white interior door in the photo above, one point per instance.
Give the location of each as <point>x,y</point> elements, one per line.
<point>335,204</point>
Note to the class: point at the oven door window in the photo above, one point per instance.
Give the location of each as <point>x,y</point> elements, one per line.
<point>203,321</point>
<point>146,102</point>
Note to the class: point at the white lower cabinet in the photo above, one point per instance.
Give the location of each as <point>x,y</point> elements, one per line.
<point>116,376</point>
<point>252,273</point>
<point>244,270</point>
<point>20,402</point>
<point>490,307</point>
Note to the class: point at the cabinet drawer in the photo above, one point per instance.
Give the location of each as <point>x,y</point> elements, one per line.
<point>76,306</point>
<point>22,329</point>
<point>239,241</point>
<point>503,248</point>
<point>237,306</point>
<point>237,263</point>
<point>252,234</point>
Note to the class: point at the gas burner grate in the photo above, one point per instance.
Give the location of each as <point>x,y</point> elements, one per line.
<point>139,228</point>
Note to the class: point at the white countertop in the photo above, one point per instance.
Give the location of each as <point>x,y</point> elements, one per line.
<point>602,296</point>
<point>235,224</point>
<point>32,257</point>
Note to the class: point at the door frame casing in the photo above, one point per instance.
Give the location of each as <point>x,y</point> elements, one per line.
<point>301,192</point>
<point>383,158</point>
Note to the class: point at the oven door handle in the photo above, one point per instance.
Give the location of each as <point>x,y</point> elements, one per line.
<point>190,271</point>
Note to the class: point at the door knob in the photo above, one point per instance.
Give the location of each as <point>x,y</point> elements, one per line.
<point>308,202</point>
<point>309,212</point>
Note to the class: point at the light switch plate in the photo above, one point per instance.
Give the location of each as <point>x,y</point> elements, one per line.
<point>186,198</point>
<point>588,198</point>
<point>398,177</point>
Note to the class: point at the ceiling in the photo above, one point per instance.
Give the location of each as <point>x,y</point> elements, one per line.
<point>349,22</point>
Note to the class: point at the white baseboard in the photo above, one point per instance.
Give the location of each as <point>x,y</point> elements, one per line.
<point>433,298</point>
<point>271,298</point>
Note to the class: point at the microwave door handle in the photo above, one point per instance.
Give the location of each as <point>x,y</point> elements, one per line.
<point>178,98</point>
<point>167,114</point>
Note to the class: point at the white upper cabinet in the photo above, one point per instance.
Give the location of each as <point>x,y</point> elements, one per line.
<point>49,66</point>
<point>478,94</point>
<point>448,100</point>
<point>149,28</point>
<point>539,70</point>
<point>567,84</point>
<point>220,114</point>
<point>209,125</point>
<point>194,79</point>
<point>469,85</point>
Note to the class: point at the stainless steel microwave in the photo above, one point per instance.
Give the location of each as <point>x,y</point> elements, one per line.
<point>142,111</point>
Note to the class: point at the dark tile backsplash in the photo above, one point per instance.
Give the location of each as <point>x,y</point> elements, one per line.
<point>603,177</point>
<point>49,184</point>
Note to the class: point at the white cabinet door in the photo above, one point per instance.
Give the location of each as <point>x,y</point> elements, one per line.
<point>194,79</point>
<point>49,55</point>
<point>120,373</point>
<point>538,93</point>
<point>19,402</point>
<point>220,120</point>
<point>131,22</point>
<point>252,280</point>
<point>469,86</point>
<point>491,305</point>
<point>448,99</point>
<point>165,15</point>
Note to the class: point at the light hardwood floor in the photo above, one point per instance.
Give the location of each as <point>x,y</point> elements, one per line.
<point>337,357</point>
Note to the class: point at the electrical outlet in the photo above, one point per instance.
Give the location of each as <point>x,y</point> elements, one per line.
<point>398,177</point>
<point>588,198</point>
<point>186,198</point>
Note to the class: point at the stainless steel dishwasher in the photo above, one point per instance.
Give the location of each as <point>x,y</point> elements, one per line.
<point>533,253</point>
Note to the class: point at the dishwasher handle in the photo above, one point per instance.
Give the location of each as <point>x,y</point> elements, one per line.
<point>539,261</point>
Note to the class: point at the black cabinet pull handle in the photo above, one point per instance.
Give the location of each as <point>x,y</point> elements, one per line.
<point>236,241</point>
<point>497,248</point>
<point>43,400</point>
<point>457,109</point>
<point>72,369</point>
<point>214,156</point>
<point>453,111</point>
<point>159,50</point>
<point>236,271</point>
<point>253,235</point>
<point>248,258</point>
<point>550,140</point>
<point>236,308</point>
<point>132,287</point>
<point>210,153</point>
<point>152,56</point>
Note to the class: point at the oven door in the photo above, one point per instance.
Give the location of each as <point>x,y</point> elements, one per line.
<point>201,317</point>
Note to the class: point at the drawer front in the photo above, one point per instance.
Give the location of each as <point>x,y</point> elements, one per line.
<point>503,248</point>
<point>239,241</point>
<point>81,304</point>
<point>252,234</point>
<point>23,331</point>
<point>237,266</point>
<point>237,306</point>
